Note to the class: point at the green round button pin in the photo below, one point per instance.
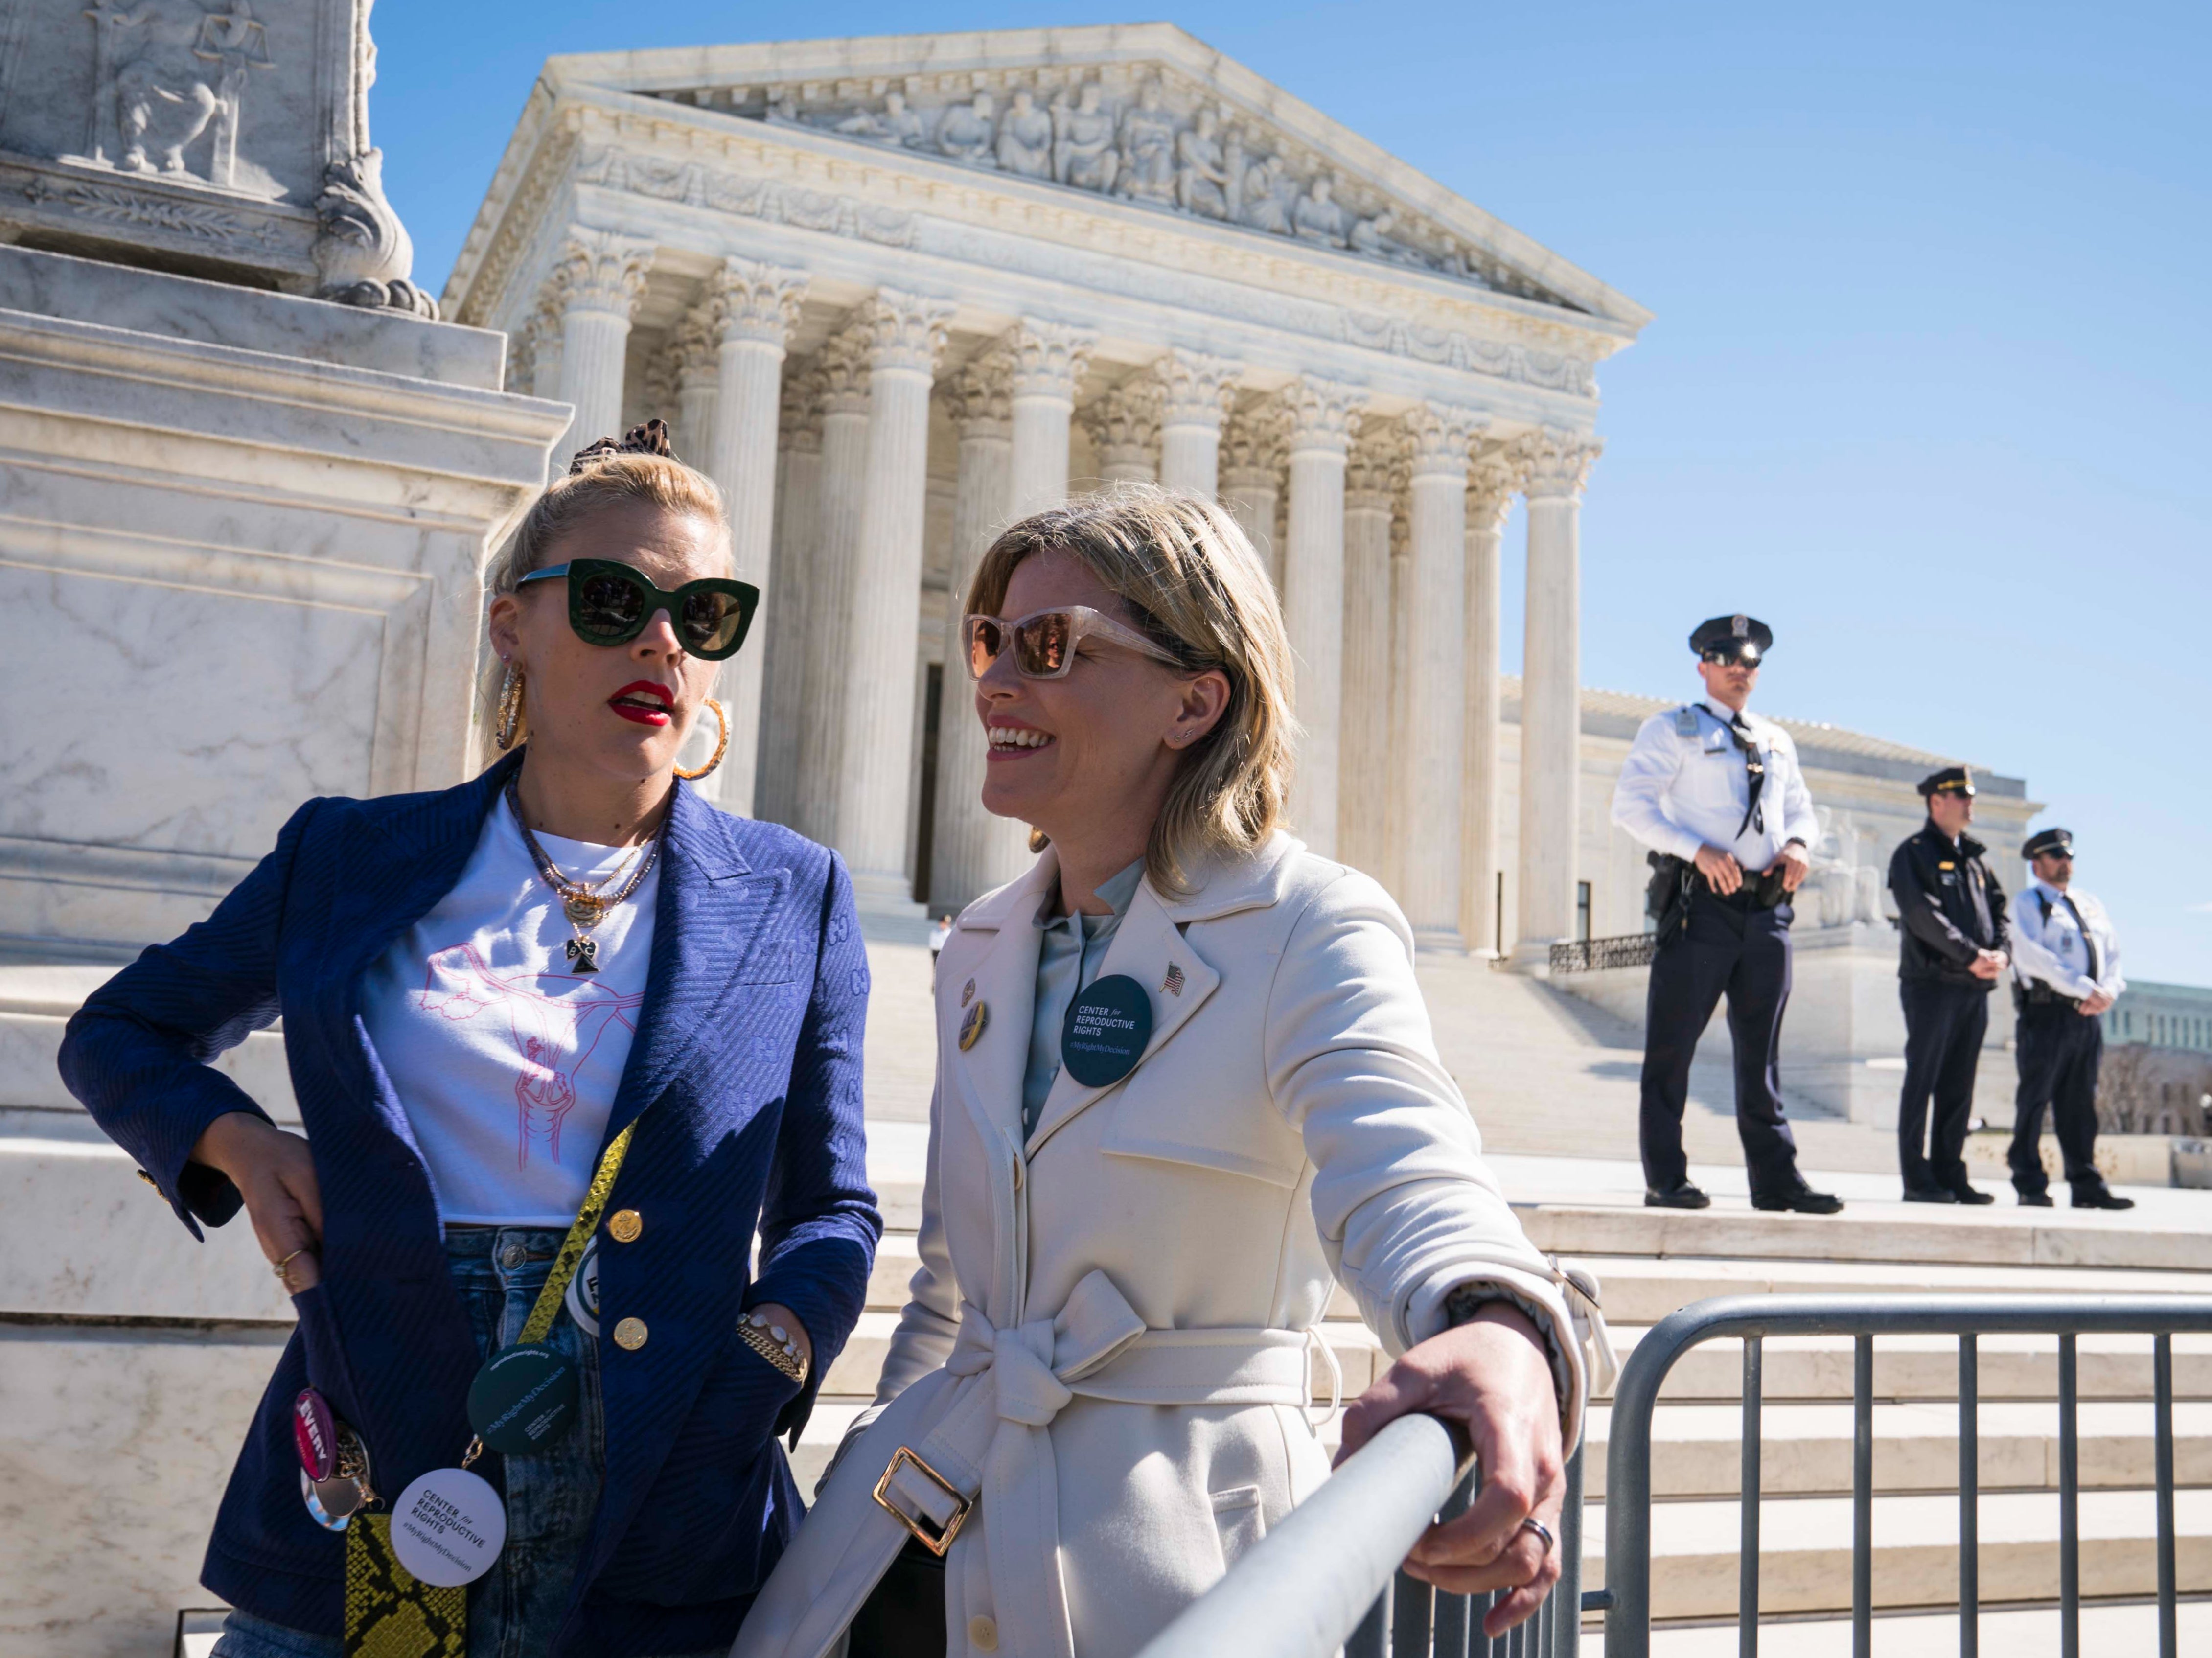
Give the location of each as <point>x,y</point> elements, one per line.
<point>1105,1031</point>
<point>523,1400</point>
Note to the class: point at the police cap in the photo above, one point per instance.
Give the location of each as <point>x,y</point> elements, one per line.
<point>1743,639</point>
<point>2056,842</point>
<point>1952,779</point>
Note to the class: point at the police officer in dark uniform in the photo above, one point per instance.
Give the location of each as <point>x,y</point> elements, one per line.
<point>1951,915</point>
<point>1716,794</point>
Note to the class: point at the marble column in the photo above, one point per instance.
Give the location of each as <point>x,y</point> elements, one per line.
<point>1493,482</point>
<point>1195,392</point>
<point>1437,439</point>
<point>905,338</point>
<point>1399,806</point>
<point>1124,430</point>
<point>1558,464</point>
<point>797,517</point>
<point>1320,419</point>
<point>535,368</point>
<point>971,850</point>
<point>1363,767</point>
<point>697,375</point>
<point>602,275</point>
<point>1251,477</point>
<point>754,307</point>
<point>843,368</point>
<point>1048,361</point>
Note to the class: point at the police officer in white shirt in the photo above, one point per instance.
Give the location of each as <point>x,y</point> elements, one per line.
<point>2066,973</point>
<point>1717,795</point>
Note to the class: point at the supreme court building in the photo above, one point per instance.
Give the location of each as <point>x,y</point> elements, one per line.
<point>894,293</point>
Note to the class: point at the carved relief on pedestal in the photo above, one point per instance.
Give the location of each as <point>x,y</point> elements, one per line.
<point>170,76</point>
<point>1139,132</point>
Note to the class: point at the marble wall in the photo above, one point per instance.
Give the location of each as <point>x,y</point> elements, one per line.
<point>231,578</point>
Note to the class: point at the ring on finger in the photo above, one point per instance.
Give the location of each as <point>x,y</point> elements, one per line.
<point>1542,1531</point>
<point>283,1268</point>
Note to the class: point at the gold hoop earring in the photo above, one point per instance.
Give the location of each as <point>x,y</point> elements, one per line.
<point>510,708</point>
<point>721,748</point>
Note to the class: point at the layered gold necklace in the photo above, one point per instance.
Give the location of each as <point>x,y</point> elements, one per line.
<point>585,903</point>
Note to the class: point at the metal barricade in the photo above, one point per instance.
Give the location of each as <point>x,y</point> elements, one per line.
<point>1627,1598</point>
<point>1328,1576</point>
<point>1595,954</point>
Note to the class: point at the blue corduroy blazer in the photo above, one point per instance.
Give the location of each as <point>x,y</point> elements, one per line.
<point>744,1080</point>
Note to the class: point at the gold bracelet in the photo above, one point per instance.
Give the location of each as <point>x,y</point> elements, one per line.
<point>773,1343</point>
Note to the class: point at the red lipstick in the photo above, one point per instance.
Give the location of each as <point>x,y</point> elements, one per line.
<point>643,702</point>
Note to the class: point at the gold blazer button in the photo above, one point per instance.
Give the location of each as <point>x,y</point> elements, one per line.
<point>629,1335</point>
<point>624,1224</point>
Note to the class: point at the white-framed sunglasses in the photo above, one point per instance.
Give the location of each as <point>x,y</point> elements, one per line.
<point>1044,641</point>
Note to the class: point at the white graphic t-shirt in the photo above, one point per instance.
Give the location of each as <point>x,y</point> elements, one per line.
<point>505,1058</point>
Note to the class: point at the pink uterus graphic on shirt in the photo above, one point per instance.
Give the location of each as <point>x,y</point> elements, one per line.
<point>553,1035</point>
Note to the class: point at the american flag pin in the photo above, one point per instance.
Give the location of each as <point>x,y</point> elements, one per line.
<point>1173,983</point>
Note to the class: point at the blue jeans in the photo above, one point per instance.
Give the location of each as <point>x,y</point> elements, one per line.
<point>514,1608</point>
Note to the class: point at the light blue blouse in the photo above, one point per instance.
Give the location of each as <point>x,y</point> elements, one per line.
<point>1069,955</point>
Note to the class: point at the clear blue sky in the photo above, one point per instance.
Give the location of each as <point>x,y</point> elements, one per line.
<point>1929,387</point>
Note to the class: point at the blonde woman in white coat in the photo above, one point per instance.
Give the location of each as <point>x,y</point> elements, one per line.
<point>1098,1389</point>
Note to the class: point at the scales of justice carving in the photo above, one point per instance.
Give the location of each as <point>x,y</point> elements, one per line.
<point>170,76</point>
<point>1174,149</point>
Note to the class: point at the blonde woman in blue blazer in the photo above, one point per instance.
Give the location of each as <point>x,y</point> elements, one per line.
<point>489,997</point>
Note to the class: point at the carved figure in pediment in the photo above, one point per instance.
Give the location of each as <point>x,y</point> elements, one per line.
<point>1374,238</point>
<point>1268,192</point>
<point>1082,153</point>
<point>896,124</point>
<point>1146,141</point>
<point>1202,169</point>
<point>783,111</point>
<point>1317,218</point>
<point>1025,138</point>
<point>964,133</point>
<point>1232,167</point>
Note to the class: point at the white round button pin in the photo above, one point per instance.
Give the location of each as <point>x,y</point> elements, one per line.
<point>448,1528</point>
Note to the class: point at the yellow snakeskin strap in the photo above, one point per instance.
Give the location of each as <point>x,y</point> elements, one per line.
<point>547,1306</point>
<point>388,1612</point>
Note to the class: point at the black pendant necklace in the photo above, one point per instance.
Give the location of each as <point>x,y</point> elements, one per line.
<point>584,903</point>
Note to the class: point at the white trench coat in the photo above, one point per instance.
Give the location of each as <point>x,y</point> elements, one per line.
<point>1107,1345</point>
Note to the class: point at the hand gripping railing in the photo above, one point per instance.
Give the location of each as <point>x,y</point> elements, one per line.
<point>1627,1600</point>
<point>1324,1579</point>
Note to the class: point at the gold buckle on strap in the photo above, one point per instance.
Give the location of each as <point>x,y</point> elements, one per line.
<point>926,1532</point>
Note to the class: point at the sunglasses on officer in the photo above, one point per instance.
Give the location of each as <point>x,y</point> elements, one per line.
<point>1043,642</point>
<point>610,602</point>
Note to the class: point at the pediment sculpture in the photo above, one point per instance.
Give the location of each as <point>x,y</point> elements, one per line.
<point>1158,140</point>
